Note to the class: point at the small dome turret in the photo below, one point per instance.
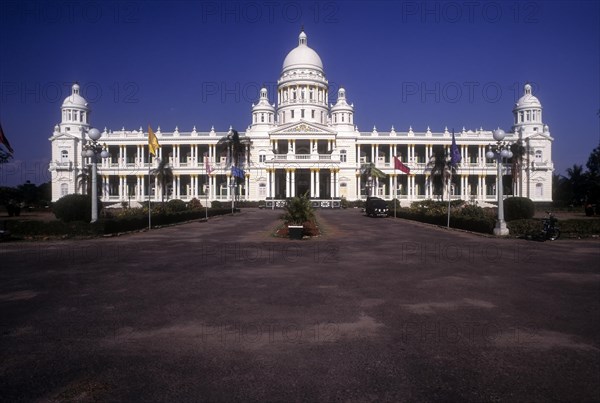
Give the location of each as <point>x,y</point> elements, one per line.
<point>75,99</point>
<point>528,112</point>
<point>342,113</point>
<point>263,112</point>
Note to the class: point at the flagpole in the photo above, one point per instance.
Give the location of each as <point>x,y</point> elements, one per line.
<point>395,188</point>
<point>149,203</point>
<point>449,182</point>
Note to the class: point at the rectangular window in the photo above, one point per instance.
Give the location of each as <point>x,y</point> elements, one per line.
<point>302,113</point>
<point>262,158</point>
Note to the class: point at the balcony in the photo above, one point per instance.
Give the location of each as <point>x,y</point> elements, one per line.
<point>61,166</point>
<point>304,157</point>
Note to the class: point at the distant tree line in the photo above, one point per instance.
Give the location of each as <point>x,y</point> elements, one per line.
<point>580,187</point>
<point>26,195</point>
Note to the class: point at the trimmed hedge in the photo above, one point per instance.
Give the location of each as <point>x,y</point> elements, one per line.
<point>40,229</point>
<point>484,224</point>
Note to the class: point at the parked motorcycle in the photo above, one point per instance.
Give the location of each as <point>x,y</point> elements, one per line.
<point>550,229</point>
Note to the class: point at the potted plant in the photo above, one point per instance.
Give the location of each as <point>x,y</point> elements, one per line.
<point>298,210</point>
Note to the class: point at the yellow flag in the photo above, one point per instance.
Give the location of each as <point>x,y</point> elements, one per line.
<point>152,141</point>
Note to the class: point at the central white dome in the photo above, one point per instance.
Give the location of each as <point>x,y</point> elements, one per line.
<point>302,56</point>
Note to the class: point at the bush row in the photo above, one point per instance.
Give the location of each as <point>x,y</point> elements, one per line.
<point>132,223</point>
<point>569,228</point>
<point>33,228</point>
<point>481,223</point>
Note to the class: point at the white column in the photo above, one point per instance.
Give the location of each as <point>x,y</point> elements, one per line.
<point>273,177</point>
<point>317,184</point>
<point>312,181</point>
<point>358,185</point>
<point>336,183</point>
<point>287,182</point>
<point>293,183</point>
<point>391,186</point>
<point>269,194</point>
<point>331,183</point>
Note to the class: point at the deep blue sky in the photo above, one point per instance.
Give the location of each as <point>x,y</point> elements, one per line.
<point>403,63</point>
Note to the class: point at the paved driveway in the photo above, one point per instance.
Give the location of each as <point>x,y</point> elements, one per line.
<point>374,310</point>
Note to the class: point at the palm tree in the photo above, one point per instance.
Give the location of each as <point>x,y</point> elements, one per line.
<point>235,147</point>
<point>84,181</point>
<point>298,210</point>
<point>368,170</point>
<point>4,157</point>
<point>164,174</point>
<point>518,150</point>
<point>440,170</point>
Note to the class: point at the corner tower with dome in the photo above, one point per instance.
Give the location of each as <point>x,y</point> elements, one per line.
<point>300,142</point>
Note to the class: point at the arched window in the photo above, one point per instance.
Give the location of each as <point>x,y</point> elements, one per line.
<point>262,189</point>
<point>64,156</point>
<point>538,155</point>
<point>539,190</point>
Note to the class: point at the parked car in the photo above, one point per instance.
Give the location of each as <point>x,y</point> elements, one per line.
<point>376,207</point>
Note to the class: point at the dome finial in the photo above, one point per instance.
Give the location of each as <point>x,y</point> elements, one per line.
<point>302,38</point>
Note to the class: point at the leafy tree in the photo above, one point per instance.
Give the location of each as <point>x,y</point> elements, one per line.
<point>578,180</point>
<point>164,174</point>
<point>593,178</point>
<point>562,192</point>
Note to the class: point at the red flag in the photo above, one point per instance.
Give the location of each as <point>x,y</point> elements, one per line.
<point>207,164</point>
<point>4,140</point>
<point>400,166</point>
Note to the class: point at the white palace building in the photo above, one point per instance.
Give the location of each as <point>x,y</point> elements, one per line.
<point>300,144</point>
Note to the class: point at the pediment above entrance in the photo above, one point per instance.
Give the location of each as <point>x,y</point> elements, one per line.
<point>303,129</point>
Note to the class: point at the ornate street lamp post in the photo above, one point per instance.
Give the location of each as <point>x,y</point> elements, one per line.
<point>93,149</point>
<point>499,151</point>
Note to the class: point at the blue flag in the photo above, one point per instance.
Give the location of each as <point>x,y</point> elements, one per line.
<point>237,172</point>
<point>455,156</point>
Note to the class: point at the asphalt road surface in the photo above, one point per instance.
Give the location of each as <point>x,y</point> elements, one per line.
<point>373,310</point>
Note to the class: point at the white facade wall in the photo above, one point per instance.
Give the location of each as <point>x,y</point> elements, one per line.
<point>318,155</point>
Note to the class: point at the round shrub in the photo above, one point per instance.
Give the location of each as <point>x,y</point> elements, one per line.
<point>518,208</point>
<point>216,204</point>
<point>74,207</point>
<point>176,205</point>
<point>195,204</point>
